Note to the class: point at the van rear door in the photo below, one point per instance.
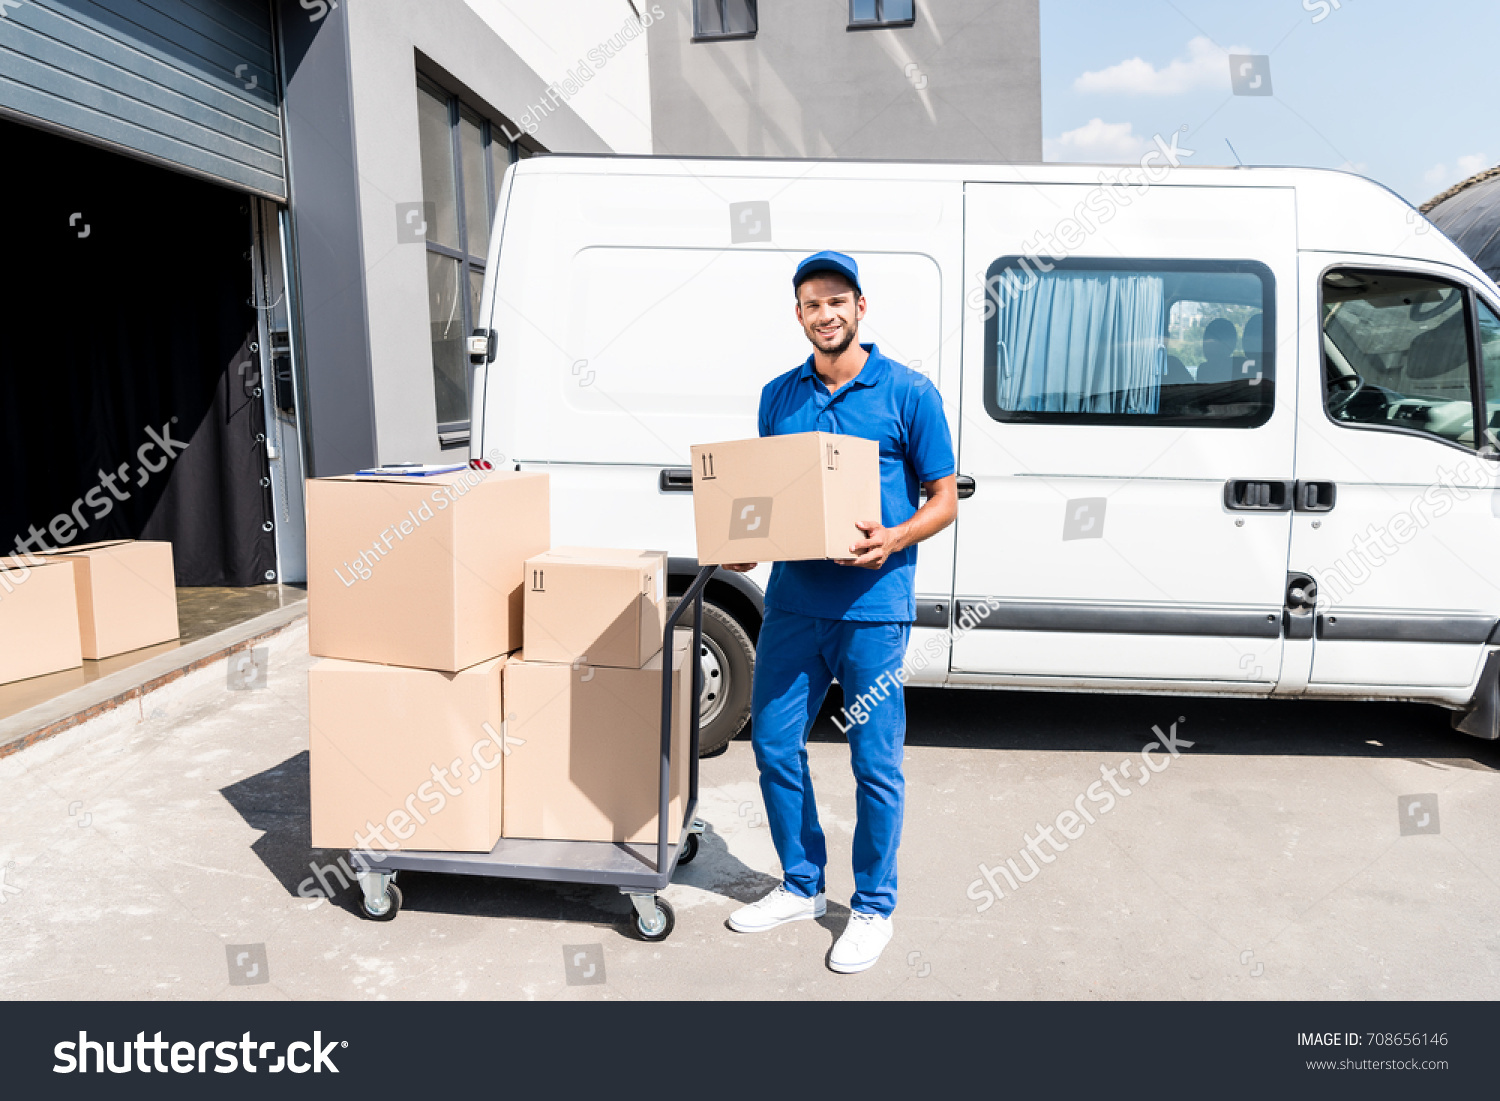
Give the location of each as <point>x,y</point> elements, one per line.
<point>1129,434</point>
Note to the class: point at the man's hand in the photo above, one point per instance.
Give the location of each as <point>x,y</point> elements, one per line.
<point>878,544</point>
<point>740,567</point>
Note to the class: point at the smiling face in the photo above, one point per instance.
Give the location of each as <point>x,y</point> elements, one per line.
<point>829,309</point>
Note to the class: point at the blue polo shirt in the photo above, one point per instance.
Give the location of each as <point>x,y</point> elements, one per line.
<point>898,409</point>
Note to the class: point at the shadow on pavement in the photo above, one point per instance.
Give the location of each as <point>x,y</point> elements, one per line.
<point>275,802</point>
<point>982,719</point>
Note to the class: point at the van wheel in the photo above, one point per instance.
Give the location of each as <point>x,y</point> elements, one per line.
<point>728,659</point>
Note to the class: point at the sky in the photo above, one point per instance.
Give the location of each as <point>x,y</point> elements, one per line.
<point>1404,93</point>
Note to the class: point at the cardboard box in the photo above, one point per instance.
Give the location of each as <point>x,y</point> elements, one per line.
<point>418,752</point>
<point>596,606</point>
<point>127,595</point>
<point>586,748</point>
<point>783,498</point>
<point>39,629</point>
<point>423,572</point>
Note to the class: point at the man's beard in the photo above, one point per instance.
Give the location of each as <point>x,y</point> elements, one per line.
<point>850,332</point>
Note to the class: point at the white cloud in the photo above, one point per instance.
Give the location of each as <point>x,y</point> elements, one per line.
<point>1472,165</point>
<point>1439,178</point>
<point>1096,140</point>
<point>1206,66</point>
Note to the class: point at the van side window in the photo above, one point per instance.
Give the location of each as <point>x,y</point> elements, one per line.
<point>1182,342</point>
<point>1397,353</point>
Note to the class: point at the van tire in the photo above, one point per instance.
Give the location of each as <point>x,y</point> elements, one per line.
<point>729,666</point>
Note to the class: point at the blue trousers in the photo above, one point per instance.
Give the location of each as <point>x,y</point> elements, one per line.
<point>796,659</point>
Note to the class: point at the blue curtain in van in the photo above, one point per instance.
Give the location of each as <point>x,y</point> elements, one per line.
<point>1083,342</point>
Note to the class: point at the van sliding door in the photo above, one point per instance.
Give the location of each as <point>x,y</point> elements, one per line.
<point>1128,435</point>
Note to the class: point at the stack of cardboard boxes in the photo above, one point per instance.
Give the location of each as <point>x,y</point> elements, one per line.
<point>90,602</point>
<point>584,702</point>
<point>429,731</point>
<point>414,601</point>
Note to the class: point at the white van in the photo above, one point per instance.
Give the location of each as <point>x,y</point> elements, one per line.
<point>1222,434</point>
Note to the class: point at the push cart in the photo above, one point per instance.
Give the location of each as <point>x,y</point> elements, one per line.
<point>638,870</point>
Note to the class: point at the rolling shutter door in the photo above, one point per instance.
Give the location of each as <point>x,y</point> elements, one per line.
<point>187,83</point>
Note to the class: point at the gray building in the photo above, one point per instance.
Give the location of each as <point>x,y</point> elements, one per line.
<point>254,236</point>
<point>882,79</point>
<point>254,231</point>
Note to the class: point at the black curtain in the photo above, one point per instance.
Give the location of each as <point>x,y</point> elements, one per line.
<point>129,406</point>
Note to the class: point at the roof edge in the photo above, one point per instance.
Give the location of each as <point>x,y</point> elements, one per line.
<point>1479,178</point>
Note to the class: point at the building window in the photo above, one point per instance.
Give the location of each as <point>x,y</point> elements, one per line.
<point>464,157</point>
<point>881,13</point>
<point>724,19</point>
<point>1130,342</point>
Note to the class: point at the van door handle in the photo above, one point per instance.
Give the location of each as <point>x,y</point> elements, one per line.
<point>1257,495</point>
<point>965,488</point>
<point>1315,496</point>
<point>675,479</point>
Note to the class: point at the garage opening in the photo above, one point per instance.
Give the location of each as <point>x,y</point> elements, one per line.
<point>131,402</point>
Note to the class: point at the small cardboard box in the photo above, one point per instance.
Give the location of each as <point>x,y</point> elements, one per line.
<point>416,752</point>
<point>596,606</point>
<point>127,595</point>
<point>586,748</point>
<point>39,627</point>
<point>784,498</point>
<point>423,572</point>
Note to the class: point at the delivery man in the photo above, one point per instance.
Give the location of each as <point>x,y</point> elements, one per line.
<point>848,619</point>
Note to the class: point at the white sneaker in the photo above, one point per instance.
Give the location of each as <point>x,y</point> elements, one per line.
<point>863,939</point>
<point>777,908</point>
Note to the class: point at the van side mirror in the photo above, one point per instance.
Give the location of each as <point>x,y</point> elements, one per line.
<point>482,346</point>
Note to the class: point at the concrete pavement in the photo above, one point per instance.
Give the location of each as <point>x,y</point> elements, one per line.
<point>158,852</point>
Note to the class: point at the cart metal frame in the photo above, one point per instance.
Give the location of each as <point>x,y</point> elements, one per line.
<point>637,871</point>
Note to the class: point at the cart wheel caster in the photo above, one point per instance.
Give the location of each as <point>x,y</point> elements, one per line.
<point>659,928</point>
<point>689,849</point>
<point>388,906</point>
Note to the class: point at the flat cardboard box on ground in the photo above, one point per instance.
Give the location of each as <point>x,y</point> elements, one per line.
<point>39,629</point>
<point>378,732</point>
<point>424,572</point>
<point>595,606</point>
<point>783,498</point>
<point>586,748</point>
<point>127,595</point>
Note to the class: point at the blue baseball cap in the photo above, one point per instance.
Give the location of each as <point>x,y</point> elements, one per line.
<point>835,262</point>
